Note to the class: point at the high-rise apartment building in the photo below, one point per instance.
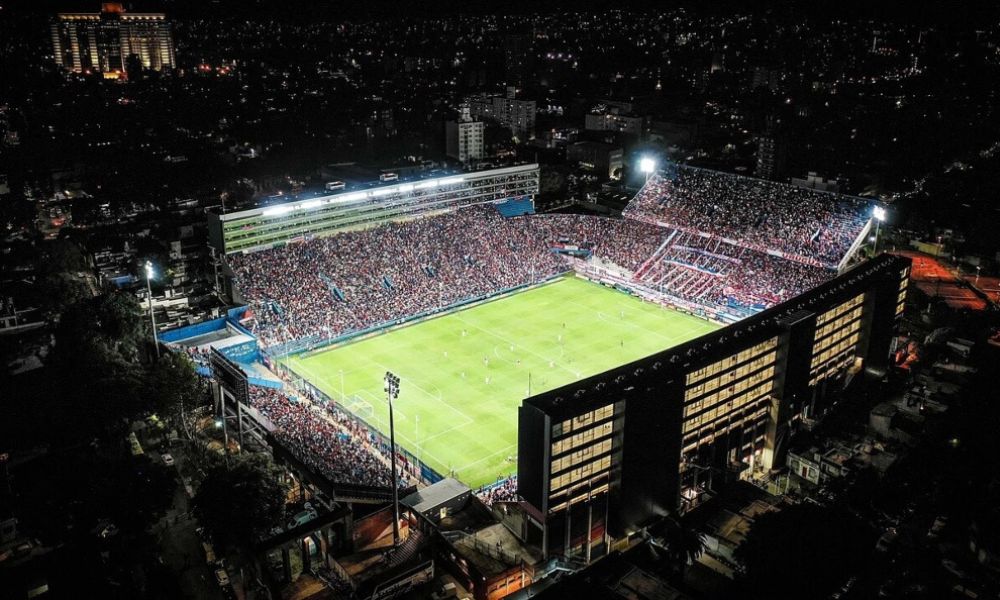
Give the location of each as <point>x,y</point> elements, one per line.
<point>464,138</point>
<point>104,41</point>
<point>508,110</point>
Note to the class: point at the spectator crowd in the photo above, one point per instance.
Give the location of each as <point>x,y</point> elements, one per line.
<point>702,236</point>
<point>324,288</point>
<point>710,270</point>
<point>327,441</point>
<point>504,490</point>
<point>816,227</point>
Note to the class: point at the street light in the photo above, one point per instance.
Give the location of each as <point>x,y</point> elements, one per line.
<point>391,393</point>
<point>879,213</point>
<point>647,165</point>
<point>149,296</point>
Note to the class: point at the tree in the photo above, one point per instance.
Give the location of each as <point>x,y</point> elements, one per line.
<point>110,324</point>
<point>60,256</point>
<point>803,551</point>
<point>684,545</point>
<point>239,503</point>
<point>54,292</point>
<point>99,385</point>
<point>173,386</point>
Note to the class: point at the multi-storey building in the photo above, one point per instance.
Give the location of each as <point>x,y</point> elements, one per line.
<point>614,116</point>
<point>600,457</point>
<point>464,138</point>
<point>104,42</point>
<point>516,114</point>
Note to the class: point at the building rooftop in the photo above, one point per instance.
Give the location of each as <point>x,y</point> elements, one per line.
<point>493,549</point>
<point>435,495</point>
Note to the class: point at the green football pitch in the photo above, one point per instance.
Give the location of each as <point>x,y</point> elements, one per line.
<point>464,374</point>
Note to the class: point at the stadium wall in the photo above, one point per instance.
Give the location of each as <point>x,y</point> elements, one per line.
<point>719,407</point>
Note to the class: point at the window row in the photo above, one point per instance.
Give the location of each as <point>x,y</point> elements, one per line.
<point>834,350</point>
<point>846,331</point>
<point>580,456</point>
<point>579,474</point>
<point>731,361</point>
<point>585,420</point>
<point>726,410</point>
<point>730,376</point>
<point>836,324</point>
<point>840,309</point>
<point>582,438</point>
<point>727,393</point>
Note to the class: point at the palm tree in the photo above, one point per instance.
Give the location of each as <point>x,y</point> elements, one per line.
<point>683,544</point>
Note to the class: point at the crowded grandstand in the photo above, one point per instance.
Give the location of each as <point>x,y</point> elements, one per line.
<point>715,245</point>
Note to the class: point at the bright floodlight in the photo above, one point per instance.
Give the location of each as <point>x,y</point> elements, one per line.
<point>879,213</point>
<point>647,165</point>
<point>149,270</point>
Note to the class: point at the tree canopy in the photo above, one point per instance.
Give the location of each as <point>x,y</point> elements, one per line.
<point>239,503</point>
<point>809,549</point>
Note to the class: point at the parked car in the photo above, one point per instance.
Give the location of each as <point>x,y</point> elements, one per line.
<point>168,460</point>
<point>222,577</point>
<point>301,518</point>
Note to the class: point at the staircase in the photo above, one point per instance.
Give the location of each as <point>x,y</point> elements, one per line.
<point>406,550</point>
<point>655,257</point>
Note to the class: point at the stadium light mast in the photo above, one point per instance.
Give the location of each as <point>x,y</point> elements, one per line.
<point>879,213</point>
<point>647,165</point>
<point>149,296</point>
<point>392,392</point>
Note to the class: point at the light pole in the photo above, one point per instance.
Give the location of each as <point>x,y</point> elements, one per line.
<point>149,296</point>
<point>392,392</point>
<point>647,165</point>
<point>879,214</point>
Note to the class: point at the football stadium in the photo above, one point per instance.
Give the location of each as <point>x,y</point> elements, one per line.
<point>465,373</point>
<point>564,366</point>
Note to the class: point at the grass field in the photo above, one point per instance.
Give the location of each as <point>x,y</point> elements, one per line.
<point>463,375</point>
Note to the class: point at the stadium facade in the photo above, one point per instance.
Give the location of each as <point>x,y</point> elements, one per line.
<point>612,452</point>
<point>271,226</point>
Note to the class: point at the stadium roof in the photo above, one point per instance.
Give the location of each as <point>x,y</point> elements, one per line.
<point>400,187</point>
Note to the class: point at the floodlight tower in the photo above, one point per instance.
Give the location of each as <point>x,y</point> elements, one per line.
<point>392,392</point>
<point>647,165</point>
<point>879,213</point>
<point>149,296</point>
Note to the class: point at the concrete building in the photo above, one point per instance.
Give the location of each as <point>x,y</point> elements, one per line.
<point>483,555</point>
<point>507,110</point>
<point>615,117</point>
<point>106,42</point>
<point>814,181</point>
<point>464,138</point>
<point>598,457</point>
<point>604,160</point>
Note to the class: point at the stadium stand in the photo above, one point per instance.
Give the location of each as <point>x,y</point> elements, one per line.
<point>805,225</point>
<point>349,282</point>
<point>331,443</point>
<point>727,242</point>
